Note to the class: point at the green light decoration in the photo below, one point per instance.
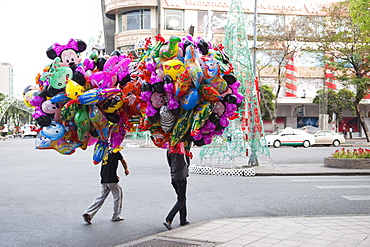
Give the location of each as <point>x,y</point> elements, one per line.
<point>242,143</point>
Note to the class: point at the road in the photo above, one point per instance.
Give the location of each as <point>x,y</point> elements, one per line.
<point>43,195</point>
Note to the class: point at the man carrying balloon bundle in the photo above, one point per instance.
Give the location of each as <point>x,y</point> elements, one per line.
<point>109,183</point>
<point>179,161</point>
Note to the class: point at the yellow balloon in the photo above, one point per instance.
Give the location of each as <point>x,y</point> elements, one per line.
<point>73,89</point>
<point>173,68</point>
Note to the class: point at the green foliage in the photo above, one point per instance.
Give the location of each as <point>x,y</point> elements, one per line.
<point>267,102</point>
<point>347,46</point>
<point>337,102</point>
<point>360,14</point>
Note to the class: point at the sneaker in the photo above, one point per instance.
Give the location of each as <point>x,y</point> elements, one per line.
<point>167,225</point>
<point>87,218</point>
<point>118,219</point>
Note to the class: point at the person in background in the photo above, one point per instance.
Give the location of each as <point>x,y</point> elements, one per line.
<point>344,132</point>
<point>350,132</point>
<point>5,130</point>
<point>109,183</point>
<point>179,161</point>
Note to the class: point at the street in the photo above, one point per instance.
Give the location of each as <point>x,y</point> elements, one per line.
<point>43,195</point>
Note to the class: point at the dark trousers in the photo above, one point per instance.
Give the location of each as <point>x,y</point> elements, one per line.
<point>180,205</point>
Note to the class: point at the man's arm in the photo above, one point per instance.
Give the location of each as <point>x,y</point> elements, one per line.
<point>125,166</point>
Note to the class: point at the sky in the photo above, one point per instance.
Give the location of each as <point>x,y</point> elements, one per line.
<point>29,27</point>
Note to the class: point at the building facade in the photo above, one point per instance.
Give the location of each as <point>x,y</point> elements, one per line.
<point>126,22</point>
<point>6,79</point>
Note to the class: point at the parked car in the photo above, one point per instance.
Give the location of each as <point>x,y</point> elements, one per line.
<point>29,130</point>
<point>290,137</point>
<point>328,137</point>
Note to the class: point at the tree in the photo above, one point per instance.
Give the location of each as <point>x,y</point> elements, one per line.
<point>280,40</point>
<point>360,14</point>
<point>348,51</point>
<point>337,102</point>
<point>267,104</point>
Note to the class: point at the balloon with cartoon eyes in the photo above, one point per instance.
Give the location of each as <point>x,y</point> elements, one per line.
<point>69,53</point>
<point>54,131</point>
<point>51,108</point>
<point>57,75</point>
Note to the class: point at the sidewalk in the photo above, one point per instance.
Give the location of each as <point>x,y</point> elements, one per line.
<point>275,231</point>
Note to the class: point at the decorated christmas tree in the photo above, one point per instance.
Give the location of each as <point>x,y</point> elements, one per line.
<point>242,143</point>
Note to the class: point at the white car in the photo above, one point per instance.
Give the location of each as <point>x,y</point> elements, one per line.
<point>290,137</point>
<point>328,137</point>
<point>29,130</point>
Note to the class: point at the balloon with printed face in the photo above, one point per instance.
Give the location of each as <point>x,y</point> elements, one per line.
<point>112,104</point>
<point>51,108</point>
<point>173,68</point>
<point>73,89</point>
<point>54,131</point>
<point>167,119</point>
<point>59,79</point>
<point>82,122</point>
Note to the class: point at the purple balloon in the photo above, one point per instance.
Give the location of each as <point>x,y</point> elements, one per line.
<point>146,95</point>
<point>150,110</point>
<point>224,122</point>
<point>173,104</point>
<point>168,87</point>
<point>37,100</point>
<point>208,127</point>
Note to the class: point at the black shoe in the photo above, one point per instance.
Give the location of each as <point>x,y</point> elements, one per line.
<point>87,218</point>
<point>184,224</point>
<point>167,225</point>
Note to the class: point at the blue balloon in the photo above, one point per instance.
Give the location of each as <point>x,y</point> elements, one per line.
<point>100,149</point>
<point>190,99</point>
<point>54,131</point>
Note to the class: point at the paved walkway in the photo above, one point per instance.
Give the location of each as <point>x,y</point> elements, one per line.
<point>277,231</point>
<point>314,231</point>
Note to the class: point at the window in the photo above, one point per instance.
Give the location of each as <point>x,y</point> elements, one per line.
<point>134,20</point>
<point>174,19</point>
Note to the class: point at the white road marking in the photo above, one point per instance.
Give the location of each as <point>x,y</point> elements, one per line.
<point>328,187</point>
<point>329,180</point>
<point>357,198</point>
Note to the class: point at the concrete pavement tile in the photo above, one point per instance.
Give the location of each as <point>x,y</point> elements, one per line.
<point>230,245</point>
<point>361,237</point>
<point>279,236</point>
<point>260,244</point>
<point>308,245</point>
<point>271,240</point>
<point>259,234</point>
<point>319,242</point>
<point>365,242</point>
<point>288,243</point>
<point>328,237</point>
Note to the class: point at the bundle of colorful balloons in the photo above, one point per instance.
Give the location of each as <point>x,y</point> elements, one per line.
<point>183,91</point>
